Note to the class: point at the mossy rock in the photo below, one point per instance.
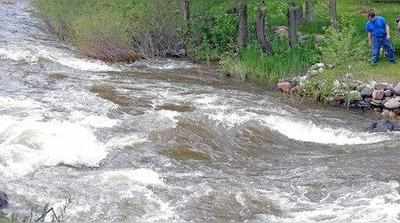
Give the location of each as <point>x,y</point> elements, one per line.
<point>185,154</point>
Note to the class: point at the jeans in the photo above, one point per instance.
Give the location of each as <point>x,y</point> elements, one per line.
<point>378,43</point>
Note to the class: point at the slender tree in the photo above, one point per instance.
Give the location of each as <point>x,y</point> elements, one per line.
<point>185,10</point>
<point>294,23</point>
<point>309,11</point>
<point>243,24</point>
<point>262,34</point>
<point>333,13</point>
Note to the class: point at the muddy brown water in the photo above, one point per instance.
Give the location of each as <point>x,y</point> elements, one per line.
<point>171,141</point>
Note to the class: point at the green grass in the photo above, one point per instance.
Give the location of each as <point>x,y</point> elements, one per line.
<point>285,63</point>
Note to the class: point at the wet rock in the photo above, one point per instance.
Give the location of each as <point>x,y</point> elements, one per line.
<point>383,126</point>
<point>396,89</point>
<point>376,103</point>
<point>393,103</point>
<point>388,93</point>
<point>285,86</point>
<point>3,200</point>
<point>396,111</point>
<point>381,86</point>
<point>354,96</point>
<point>175,107</point>
<point>378,94</point>
<point>366,92</point>
<point>364,105</point>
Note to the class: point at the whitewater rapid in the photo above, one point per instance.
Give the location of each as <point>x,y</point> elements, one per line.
<point>173,141</point>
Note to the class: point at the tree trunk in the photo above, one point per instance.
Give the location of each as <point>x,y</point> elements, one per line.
<point>309,11</point>
<point>243,24</point>
<point>262,36</point>
<point>333,13</point>
<point>185,9</point>
<point>293,25</point>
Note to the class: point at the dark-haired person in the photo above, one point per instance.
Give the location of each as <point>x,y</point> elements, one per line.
<point>398,23</point>
<point>379,37</point>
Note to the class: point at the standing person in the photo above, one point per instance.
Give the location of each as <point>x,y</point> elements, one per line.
<point>379,37</point>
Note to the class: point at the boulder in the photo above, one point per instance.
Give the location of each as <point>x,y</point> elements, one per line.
<point>285,86</point>
<point>388,93</point>
<point>3,200</point>
<point>378,94</point>
<point>393,103</point>
<point>396,89</point>
<point>366,92</point>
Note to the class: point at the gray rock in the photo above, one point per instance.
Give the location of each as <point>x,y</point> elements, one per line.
<point>3,200</point>
<point>388,93</point>
<point>381,86</point>
<point>396,89</point>
<point>393,103</point>
<point>378,94</point>
<point>366,92</point>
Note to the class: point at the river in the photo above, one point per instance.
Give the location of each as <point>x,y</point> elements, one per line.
<point>172,141</point>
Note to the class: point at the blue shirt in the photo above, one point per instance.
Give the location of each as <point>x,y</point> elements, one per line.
<point>377,27</point>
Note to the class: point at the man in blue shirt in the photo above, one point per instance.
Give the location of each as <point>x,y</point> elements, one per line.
<point>379,37</point>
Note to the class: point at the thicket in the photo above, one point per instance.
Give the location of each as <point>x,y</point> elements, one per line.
<point>121,30</point>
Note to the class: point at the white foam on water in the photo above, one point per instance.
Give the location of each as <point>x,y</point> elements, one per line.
<point>69,60</point>
<point>27,144</point>
<point>308,131</point>
<point>32,54</point>
<point>376,202</point>
<point>18,102</point>
<point>142,176</point>
<point>18,54</point>
<point>95,121</point>
<point>298,129</point>
<point>129,140</point>
<point>166,64</point>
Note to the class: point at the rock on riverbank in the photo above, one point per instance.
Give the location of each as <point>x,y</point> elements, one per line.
<point>380,97</point>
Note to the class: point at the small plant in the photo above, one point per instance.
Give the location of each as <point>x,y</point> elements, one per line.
<point>341,45</point>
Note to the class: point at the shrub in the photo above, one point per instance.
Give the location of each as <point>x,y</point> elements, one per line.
<point>340,45</point>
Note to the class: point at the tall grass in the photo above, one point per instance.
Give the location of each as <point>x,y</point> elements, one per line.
<point>114,30</point>
<point>253,64</point>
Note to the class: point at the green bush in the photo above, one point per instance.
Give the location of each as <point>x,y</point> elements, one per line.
<point>340,45</point>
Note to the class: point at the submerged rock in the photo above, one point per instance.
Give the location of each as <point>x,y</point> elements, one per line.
<point>384,126</point>
<point>186,154</point>
<point>3,200</point>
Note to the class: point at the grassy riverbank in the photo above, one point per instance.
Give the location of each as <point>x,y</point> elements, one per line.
<point>123,30</point>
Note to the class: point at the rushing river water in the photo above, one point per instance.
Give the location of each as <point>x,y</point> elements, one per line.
<point>169,141</point>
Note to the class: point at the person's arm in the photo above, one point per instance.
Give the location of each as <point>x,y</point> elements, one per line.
<point>388,31</point>
<point>369,39</point>
<point>398,25</point>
